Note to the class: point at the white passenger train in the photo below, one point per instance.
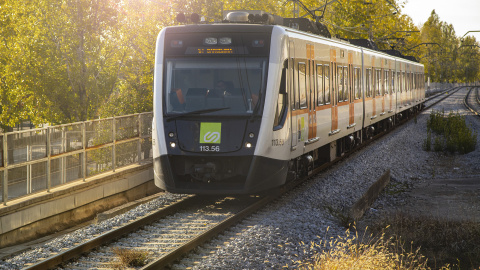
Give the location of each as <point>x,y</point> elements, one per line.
<point>241,108</point>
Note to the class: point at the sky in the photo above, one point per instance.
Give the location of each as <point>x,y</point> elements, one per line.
<point>464,15</point>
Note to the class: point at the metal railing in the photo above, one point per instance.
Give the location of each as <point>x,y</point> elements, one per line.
<point>40,159</point>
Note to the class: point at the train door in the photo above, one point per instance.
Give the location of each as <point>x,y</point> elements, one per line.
<point>351,94</point>
<point>293,98</point>
<point>312,114</point>
<point>334,92</point>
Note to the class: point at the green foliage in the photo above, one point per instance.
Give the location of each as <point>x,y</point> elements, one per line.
<point>448,58</point>
<point>438,144</point>
<point>427,144</point>
<point>73,60</point>
<point>65,60</point>
<point>453,134</point>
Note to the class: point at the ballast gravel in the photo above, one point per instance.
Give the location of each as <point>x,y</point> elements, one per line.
<point>289,231</point>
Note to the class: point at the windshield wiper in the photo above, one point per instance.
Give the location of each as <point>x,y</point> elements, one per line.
<point>170,118</point>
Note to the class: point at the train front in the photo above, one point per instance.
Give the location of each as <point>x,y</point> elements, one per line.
<point>209,94</point>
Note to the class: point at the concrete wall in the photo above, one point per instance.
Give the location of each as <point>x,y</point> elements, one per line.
<point>39,214</point>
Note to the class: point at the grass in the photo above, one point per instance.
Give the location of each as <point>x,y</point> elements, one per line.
<point>351,252</point>
<point>129,258</point>
<point>442,242</point>
<point>452,133</point>
<point>405,242</point>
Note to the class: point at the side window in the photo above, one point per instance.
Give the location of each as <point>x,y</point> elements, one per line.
<point>320,85</point>
<point>294,86</point>
<point>373,82</point>
<point>340,84</point>
<point>334,83</point>
<point>385,82</point>
<point>302,84</point>
<point>346,83</point>
<point>280,111</point>
<point>368,84</point>
<point>379,82</point>
<point>392,81</point>
<point>357,81</point>
<point>326,80</point>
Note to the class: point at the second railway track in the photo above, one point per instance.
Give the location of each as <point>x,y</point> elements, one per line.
<point>472,101</point>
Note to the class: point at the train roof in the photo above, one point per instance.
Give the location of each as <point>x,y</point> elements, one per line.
<point>260,22</point>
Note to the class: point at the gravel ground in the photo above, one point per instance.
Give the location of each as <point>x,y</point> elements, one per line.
<point>281,234</point>
<point>81,235</point>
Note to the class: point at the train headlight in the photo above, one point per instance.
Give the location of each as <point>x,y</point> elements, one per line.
<point>173,144</point>
<point>210,41</point>
<point>225,40</point>
<point>248,145</point>
<point>171,134</point>
<point>251,135</point>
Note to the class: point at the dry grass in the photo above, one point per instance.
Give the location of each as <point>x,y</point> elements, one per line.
<point>441,241</point>
<point>351,252</point>
<point>129,258</point>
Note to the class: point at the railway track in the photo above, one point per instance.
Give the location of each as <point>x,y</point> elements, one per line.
<point>472,101</point>
<point>170,233</point>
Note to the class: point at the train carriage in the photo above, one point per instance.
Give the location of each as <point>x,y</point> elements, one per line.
<point>241,108</point>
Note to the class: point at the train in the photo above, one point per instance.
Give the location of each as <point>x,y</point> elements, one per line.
<point>248,104</point>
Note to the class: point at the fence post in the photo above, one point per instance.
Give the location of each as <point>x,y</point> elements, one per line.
<point>114,133</point>
<point>5,169</point>
<point>29,167</point>
<point>49,155</point>
<point>84,144</point>
<point>139,149</point>
<point>63,161</point>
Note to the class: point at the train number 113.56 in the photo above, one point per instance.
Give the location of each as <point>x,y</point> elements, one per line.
<point>207,148</point>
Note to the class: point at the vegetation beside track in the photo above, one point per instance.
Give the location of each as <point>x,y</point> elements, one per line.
<point>452,133</point>
<point>402,242</point>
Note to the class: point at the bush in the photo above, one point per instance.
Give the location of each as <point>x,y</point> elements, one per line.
<point>427,144</point>
<point>438,145</point>
<point>458,137</point>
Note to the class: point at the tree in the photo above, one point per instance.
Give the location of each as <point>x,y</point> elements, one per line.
<point>445,57</point>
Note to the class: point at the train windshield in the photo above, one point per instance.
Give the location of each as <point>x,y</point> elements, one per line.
<point>217,86</point>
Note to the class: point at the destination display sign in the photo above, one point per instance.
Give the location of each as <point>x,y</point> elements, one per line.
<point>216,50</point>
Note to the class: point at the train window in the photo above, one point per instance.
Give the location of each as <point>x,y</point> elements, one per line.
<point>368,80</point>
<point>326,81</point>
<point>233,87</point>
<point>357,83</point>
<point>378,82</point>
<point>293,85</point>
<point>340,78</point>
<point>320,85</point>
<point>302,84</point>
<point>385,82</point>
<point>392,82</point>
<point>399,82</point>
<point>346,84</point>
<point>351,76</point>
<point>280,112</point>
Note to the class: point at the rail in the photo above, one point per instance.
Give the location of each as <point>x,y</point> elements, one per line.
<point>39,159</point>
